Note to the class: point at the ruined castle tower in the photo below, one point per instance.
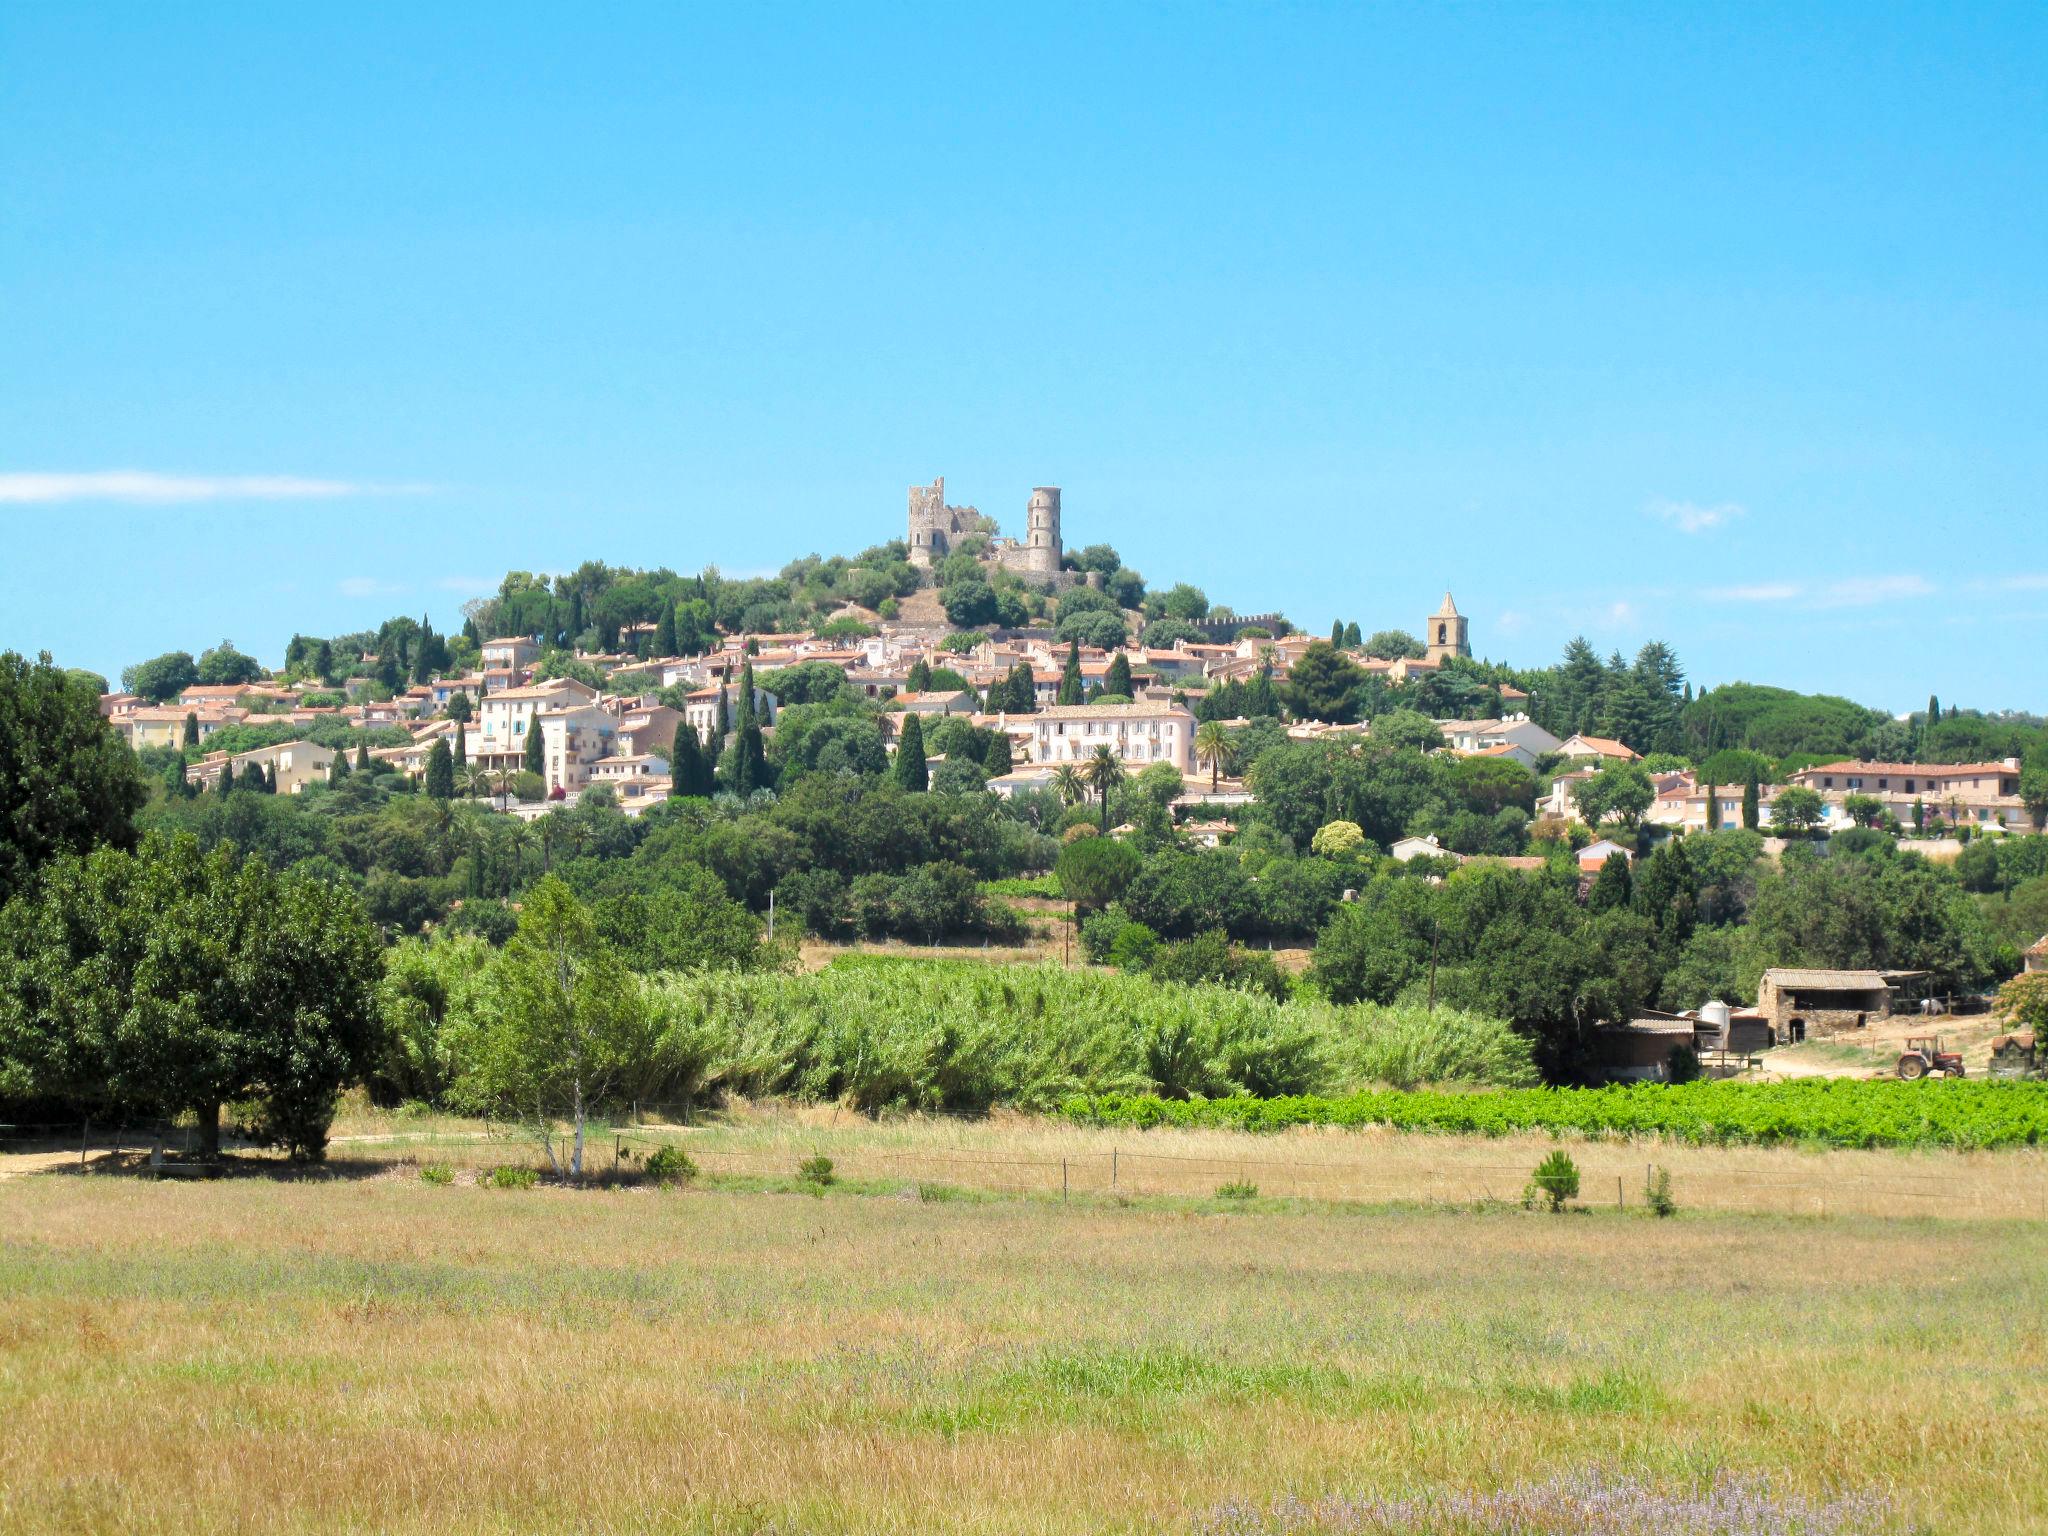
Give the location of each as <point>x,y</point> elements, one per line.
<point>1041,552</point>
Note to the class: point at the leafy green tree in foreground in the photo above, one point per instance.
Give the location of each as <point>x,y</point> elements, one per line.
<point>66,781</point>
<point>179,981</point>
<point>565,1013</point>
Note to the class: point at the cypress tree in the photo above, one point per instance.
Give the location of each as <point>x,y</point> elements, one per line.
<point>1070,679</point>
<point>750,761</point>
<point>910,770</point>
<point>1752,815</point>
<point>191,729</point>
<point>1352,638</point>
<point>745,720</point>
<point>227,775</point>
<point>919,678</point>
<point>363,763</point>
<point>997,759</point>
<point>722,727</point>
<point>423,658</point>
<point>338,770</point>
<point>534,759</point>
<point>1337,635</point>
<point>461,745</point>
<point>1118,678</point>
<point>440,776</point>
<point>686,771</point>
<point>665,630</point>
<point>575,617</point>
<point>1933,709</point>
<point>469,631</point>
<point>1023,689</point>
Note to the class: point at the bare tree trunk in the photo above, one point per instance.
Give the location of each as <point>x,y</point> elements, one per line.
<point>209,1131</point>
<point>576,1157</point>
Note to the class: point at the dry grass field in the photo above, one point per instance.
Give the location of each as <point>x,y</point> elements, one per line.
<point>368,1352</point>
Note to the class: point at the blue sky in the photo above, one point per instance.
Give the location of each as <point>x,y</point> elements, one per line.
<point>1721,325</point>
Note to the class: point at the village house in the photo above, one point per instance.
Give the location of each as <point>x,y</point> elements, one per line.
<point>1597,747</point>
<point>164,726</point>
<point>1138,734</point>
<point>296,763</point>
<point>1591,857</point>
<point>1471,738</point>
<point>701,709</point>
<point>513,653</point>
<point>504,718</point>
<point>1983,793</point>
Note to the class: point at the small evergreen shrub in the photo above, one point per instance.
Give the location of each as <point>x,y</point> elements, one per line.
<point>815,1171</point>
<point>510,1176</point>
<point>1556,1180</point>
<point>670,1165</point>
<point>436,1173</point>
<point>1237,1190</point>
<point>1657,1192</point>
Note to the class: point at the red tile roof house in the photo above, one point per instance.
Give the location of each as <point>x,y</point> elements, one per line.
<point>1983,793</point>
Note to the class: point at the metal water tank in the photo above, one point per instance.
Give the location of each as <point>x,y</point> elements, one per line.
<point>1714,1015</point>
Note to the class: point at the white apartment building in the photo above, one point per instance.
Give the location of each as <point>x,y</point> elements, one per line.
<point>1139,734</point>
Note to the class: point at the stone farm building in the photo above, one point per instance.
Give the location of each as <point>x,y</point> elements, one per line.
<point>1806,1004</point>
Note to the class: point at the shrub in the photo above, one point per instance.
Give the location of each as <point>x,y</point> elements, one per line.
<point>670,1165</point>
<point>436,1173</point>
<point>511,1176</point>
<point>1556,1180</point>
<point>1237,1190</point>
<point>1657,1192</point>
<point>815,1172</point>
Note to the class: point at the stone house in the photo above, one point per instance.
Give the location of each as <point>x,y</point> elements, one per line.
<point>1802,1004</point>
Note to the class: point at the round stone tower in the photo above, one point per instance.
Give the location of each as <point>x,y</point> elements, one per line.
<point>1042,531</point>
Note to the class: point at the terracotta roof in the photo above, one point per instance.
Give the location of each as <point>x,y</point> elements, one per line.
<point>1604,746</point>
<point>1146,711</point>
<point>1912,770</point>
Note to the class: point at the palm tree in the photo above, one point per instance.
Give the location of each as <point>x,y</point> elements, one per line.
<point>1068,784</point>
<point>1212,746</point>
<point>474,781</point>
<point>1105,771</point>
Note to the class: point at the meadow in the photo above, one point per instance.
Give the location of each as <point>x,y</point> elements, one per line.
<point>361,1350</point>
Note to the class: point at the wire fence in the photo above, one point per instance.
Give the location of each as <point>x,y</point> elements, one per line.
<point>1414,1170</point>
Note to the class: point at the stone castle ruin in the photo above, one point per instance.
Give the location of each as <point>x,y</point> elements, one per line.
<point>935,528</point>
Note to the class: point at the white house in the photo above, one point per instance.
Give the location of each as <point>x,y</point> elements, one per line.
<point>1138,734</point>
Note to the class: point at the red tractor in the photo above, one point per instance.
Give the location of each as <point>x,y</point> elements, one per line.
<point>1929,1053</point>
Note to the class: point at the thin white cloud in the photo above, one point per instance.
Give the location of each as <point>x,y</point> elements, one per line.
<point>1863,591</point>
<point>365,586</point>
<point>147,488</point>
<point>1764,592</point>
<point>1621,613</point>
<point>1695,517</point>
<point>2028,582</point>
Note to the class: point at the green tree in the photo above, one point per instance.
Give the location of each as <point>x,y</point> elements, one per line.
<point>1104,772</point>
<point>1864,810</point>
<point>688,774</point>
<point>1095,871</point>
<point>665,631</point>
<point>224,666</point>
<point>67,783</point>
<point>1186,603</point>
<point>1213,746</point>
<point>969,604</point>
<point>1393,645</point>
<point>1752,813</point>
<point>1622,791</point>
<point>562,1026</point>
<point>179,981</point>
<point>1352,640</point>
<point>162,678</point>
<point>1325,685</point>
<point>1070,677</point>
<point>1612,887</point>
<point>1116,678</point>
<point>191,736</point>
<point>534,755</point>
<point>997,760</point>
<point>909,769</point>
<point>1797,810</point>
<point>440,772</point>
<point>460,709</point>
<point>2034,793</point>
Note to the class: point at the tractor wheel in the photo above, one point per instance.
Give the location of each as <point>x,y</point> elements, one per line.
<point>1912,1068</point>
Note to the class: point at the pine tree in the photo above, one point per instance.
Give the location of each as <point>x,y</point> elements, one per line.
<point>535,758</point>
<point>665,630</point>
<point>1070,679</point>
<point>440,775</point>
<point>910,770</point>
<point>1752,814</point>
<point>1117,679</point>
